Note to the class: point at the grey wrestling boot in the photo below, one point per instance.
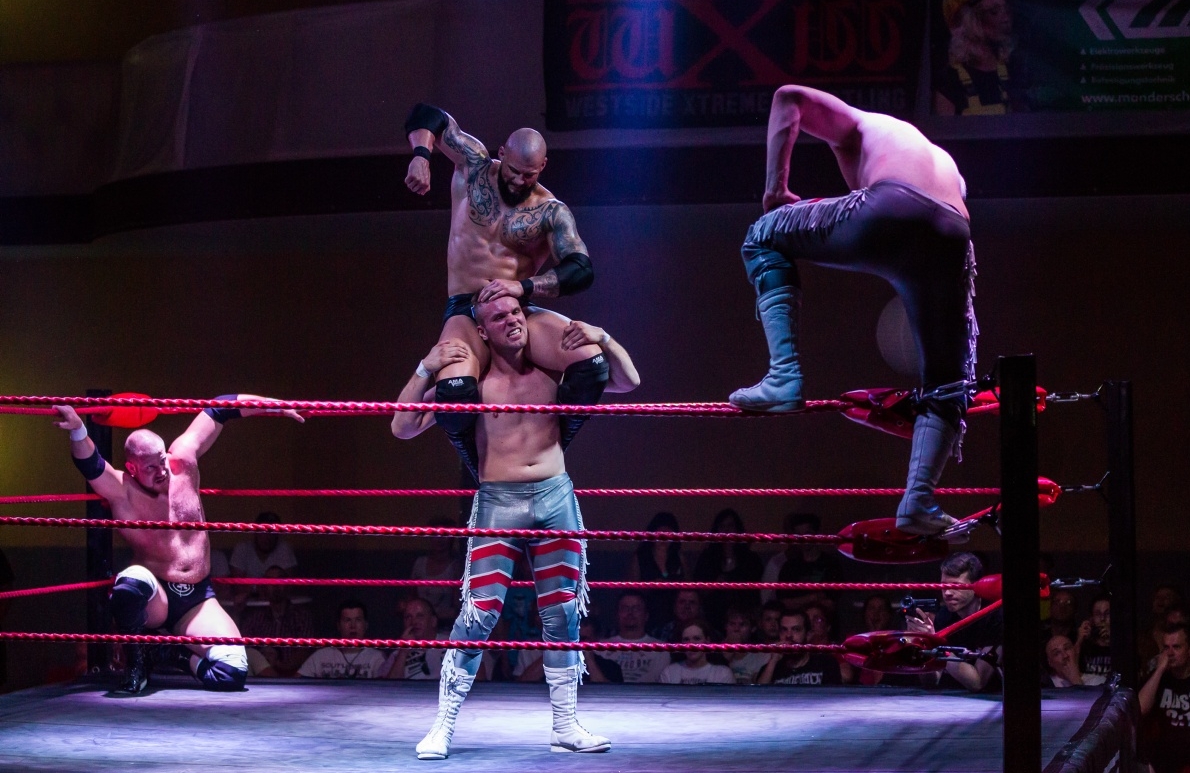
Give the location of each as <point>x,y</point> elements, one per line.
<point>933,441</point>
<point>453,686</point>
<point>136,670</point>
<point>568,735</point>
<point>780,391</point>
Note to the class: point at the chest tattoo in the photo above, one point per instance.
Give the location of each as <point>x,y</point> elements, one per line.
<point>525,226</point>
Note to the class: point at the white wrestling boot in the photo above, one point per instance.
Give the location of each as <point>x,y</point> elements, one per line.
<point>568,735</point>
<point>453,686</point>
<point>780,391</point>
<point>919,513</point>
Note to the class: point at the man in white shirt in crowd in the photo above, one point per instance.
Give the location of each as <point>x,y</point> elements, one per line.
<point>346,662</point>
<point>632,615</point>
<point>420,623</point>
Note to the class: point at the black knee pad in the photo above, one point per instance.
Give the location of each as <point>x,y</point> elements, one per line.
<point>460,427</point>
<point>129,604</point>
<point>221,677</point>
<point>583,383</point>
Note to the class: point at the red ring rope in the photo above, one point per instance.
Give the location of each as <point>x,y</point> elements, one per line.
<point>385,408</point>
<point>595,585</point>
<point>590,492</point>
<point>420,644</point>
<point>428,531</point>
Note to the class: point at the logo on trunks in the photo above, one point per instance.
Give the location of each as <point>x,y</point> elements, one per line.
<point>181,588</point>
<point>455,382</point>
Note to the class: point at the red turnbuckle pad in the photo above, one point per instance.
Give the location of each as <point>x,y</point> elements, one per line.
<point>888,410</point>
<point>1047,492</point>
<point>894,652</point>
<point>127,417</point>
<point>879,542</point>
<point>988,401</point>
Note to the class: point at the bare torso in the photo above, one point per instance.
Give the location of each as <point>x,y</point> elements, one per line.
<point>174,556</point>
<point>490,240</point>
<point>519,447</point>
<point>890,149</point>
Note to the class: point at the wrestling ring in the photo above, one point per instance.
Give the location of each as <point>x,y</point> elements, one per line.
<point>300,724</point>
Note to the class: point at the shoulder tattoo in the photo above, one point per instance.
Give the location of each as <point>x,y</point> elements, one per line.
<point>482,195</point>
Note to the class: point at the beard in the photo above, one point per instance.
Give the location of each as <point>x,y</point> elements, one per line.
<point>508,196</point>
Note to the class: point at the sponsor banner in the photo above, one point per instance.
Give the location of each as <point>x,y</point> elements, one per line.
<point>997,56</point>
<point>686,63</point>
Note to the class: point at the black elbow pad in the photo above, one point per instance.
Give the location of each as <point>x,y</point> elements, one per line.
<point>424,116</point>
<point>91,467</point>
<point>575,273</point>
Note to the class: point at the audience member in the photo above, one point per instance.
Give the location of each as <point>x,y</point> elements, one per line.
<point>878,614</point>
<point>279,618</point>
<point>1063,619</point>
<point>632,615</point>
<point>802,563</point>
<point>728,562</point>
<point>985,635</point>
<point>1094,639</point>
<point>1175,616</point>
<point>739,629</point>
<point>1165,701</point>
<point>346,662</point>
<point>799,668</point>
<point>694,668</point>
<point>768,629</point>
<point>252,557</point>
<point>1165,597</point>
<point>820,630</point>
<point>687,608</point>
<point>659,560</point>
<point>420,623</point>
<point>1061,665</point>
<point>440,562</point>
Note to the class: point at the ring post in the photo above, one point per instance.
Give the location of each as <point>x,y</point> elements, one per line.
<point>99,549</point>
<point>1020,529</point>
<point>1121,535</point>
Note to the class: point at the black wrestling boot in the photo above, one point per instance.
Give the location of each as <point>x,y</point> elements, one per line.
<point>933,441</point>
<point>136,670</point>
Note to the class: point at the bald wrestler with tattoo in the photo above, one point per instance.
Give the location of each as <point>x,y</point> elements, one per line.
<point>168,584</point>
<point>509,237</point>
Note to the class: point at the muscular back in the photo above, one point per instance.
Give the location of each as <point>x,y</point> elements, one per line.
<point>175,556</point>
<point>870,147</point>
<point>889,149</point>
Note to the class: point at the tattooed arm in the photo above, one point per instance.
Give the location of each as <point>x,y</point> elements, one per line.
<point>573,272</point>
<point>466,152</point>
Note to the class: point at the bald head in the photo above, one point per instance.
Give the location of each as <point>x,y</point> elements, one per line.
<point>143,443</point>
<point>527,145</point>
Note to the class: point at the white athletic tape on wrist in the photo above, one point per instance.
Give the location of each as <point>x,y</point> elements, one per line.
<point>78,433</point>
<point>421,370</point>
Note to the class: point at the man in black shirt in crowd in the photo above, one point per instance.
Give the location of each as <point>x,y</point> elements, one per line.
<point>799,668</point>
<point>985,635</point>
<point>1165,702</point>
